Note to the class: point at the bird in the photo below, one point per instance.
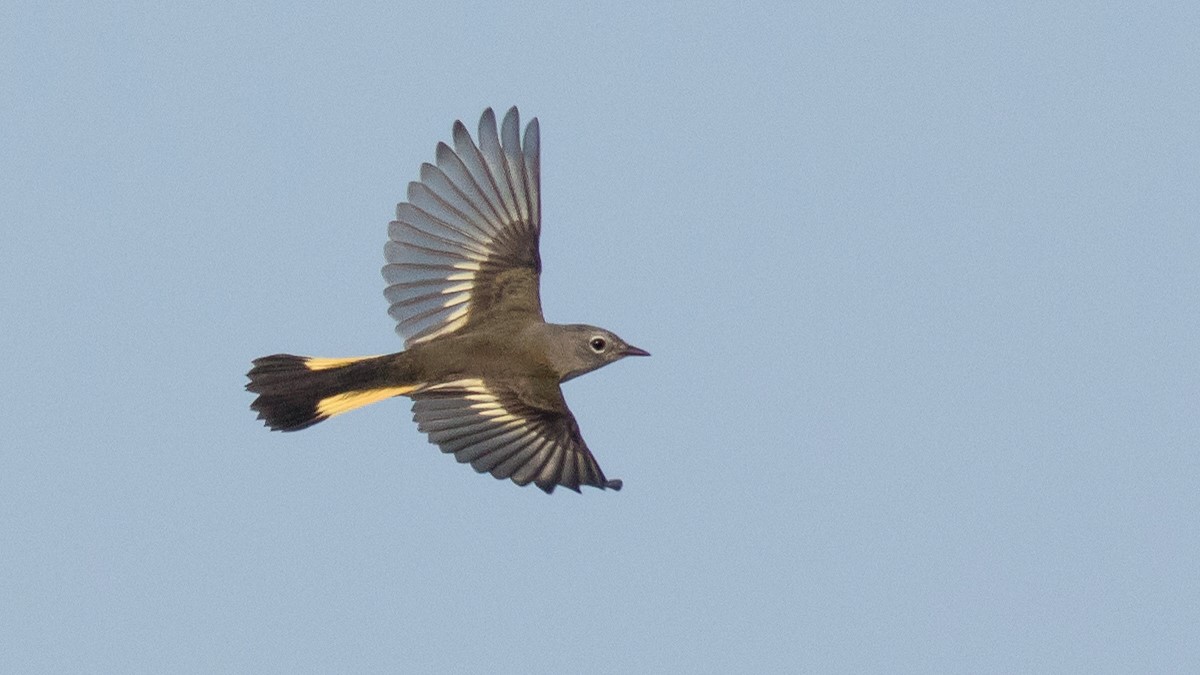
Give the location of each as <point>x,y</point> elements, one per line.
<point>480,363</point>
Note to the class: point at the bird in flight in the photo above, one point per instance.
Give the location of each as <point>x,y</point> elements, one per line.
<point>481,364</point>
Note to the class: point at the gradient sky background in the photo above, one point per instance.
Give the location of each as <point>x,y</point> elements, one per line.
<point>922,286</point>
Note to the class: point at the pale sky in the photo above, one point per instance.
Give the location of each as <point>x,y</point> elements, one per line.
<point>920,285</point>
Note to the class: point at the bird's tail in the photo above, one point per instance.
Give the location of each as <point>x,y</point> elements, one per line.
<point>296,392</point>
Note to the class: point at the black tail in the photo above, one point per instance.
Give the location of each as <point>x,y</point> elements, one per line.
<point>296,392</point>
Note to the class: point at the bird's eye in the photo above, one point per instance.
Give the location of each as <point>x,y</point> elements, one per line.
<point>598,344</point>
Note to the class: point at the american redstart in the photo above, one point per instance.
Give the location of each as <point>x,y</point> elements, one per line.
<point>480,363</point>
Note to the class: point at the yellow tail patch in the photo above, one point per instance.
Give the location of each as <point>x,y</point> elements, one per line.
<point>345,402</point>
<point>319,363</point>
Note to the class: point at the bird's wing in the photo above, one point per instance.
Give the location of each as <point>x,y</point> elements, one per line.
<point>464,247</point>
<point>518,429</point>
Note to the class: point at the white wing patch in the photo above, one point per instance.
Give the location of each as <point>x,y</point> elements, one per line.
<point>466,214</point>
<point>494,432</point>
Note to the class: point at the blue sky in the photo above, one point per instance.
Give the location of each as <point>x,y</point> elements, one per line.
<point>920,282</point>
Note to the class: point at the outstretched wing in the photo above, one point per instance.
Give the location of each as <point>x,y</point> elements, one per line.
<point>464,246</point>
<point>513,429</point>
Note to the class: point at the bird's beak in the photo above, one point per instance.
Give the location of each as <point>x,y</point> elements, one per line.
<point>630,350</point>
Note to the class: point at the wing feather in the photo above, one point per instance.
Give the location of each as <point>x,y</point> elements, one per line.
<point>511,430</point>
<point>471,220</point>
